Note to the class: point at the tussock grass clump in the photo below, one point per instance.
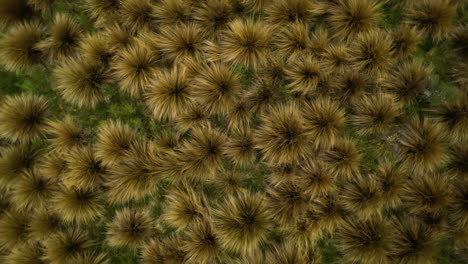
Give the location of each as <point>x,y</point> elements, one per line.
<point>240,147</point>
<point>366,241</point>
<point>113,141</point>
<point>421,146</point>
<point>63,40</point>
<point>371,52</point>
<point>23,118</point>
<point>66,246</point>
<point>305,75</point>
<point>135,176</point>
<point>13,229</point>
<point>343,158</point>
<point>351,17</point>
<point>374,113</point>
<point>201,244</point>
<point>216,88</point>
<point>19,48</point>
<point>407,81</point>
<point>363,196</point>
<point>33,190</point>
<point>324,119</point>
<point>246,42</point>
<point>283,135</point>
<point>43,225</point>
<point>432,17</point>
<point>80,205</point>
<point>16,160</point>
<point>413,242</point>
<point>85,170</point>
<point>392,179</point>
<point>286,200</point>
<point>184,207</point>
<point>315,177</point>
<point>137,15</point>
<point>14,12</point>
<point>282,12</point>
<point>27,254</point>
<point>170,94</point>
<point>64,135</point>
<point>81,82</point>
<point>130,227</point>
<point>427,194</point>
<point>180,43</point>
<point>202,155</point>
<point>135,68</point>
<point>242,222</point>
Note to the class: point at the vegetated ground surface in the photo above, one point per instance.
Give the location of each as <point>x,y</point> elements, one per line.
<point>233,131</point>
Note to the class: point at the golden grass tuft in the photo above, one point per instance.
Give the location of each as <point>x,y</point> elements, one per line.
<point>64,135</point>
<point>216,88</point>
<point>170,94</point>
<point>429,193</point>
<point>363,196</point>
<point>375,113</point>
<point>412,242</point>
<point>67,246</point>
<point>365,241</point>
<point>29,253</point>
<point>14,12</point>
<point>293,41</point>
<point>240,147</point>
<point>171,12</point>
<point>16,160</point>
<point>305,74</point>
<point>282,137</point>
<point>421,146</point>
<point>81,82</point>
<point>351,17</point>
<point>80,205</point>
<point>44,224</point>
<point>135,68</point>
<point>23,117</point>
<point>282,12</point>
<point>201,244</point>
<point>315,178</point>
<point>63,40</point>
<point>404,41</point>
<point>131,227</point>
<point>324,121</point>
<point>343,158</point>
<point>453,117</point>
<point>202,155</point>
<point>13,229</point>
<point>18,48</point>
<point>371,52</point>
<point>180,43</point>
<point>33,191</point>
<point>245,42</point>
<point>114,139</point>
<point>433,18</point>
<point>184,207</point>
<point>406,81</point>
<point>242,222</point>
<point>392,180</point>
<point>135,176</point>
<point>85,170</point>
<point>137,15</point>
<point>286,201</point>
<point>213,16</point>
